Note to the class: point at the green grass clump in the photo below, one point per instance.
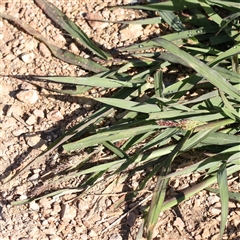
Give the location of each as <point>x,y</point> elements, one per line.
<point>168,121</point>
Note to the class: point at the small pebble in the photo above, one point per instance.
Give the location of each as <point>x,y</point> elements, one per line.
<point>131,32</point>
<point>34,177</point>
<point>34,206</point>
<point>213,199</point>
<point>68,213</point>
<point>92,233</point>
<point>179,223</point>
<point>38,113</point>
<point>215,211</point>
<point>83,237</point>
<point>56,207</point>
<point>44,51</point>
<point>27,57</point>
<point>45,202</point>
<point>115,237</point>
<point>55,116</point>
<point>23,197</point>
<point>94,23</point>
<point>28,96</point>
<point>31,120</point>
<point>78,229</point>
<point>231,204</point>
<point>30,44</point>
<point>9,57</point>
<point>18,132</point>
<point>59,38</point>
<point>205,233</point>
<point>33,141</point>
<point>73,48</point>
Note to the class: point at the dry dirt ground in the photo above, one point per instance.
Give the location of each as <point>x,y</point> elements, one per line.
<point>31,118</point>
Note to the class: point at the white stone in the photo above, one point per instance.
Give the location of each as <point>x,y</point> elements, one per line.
<point>179,223</point>
<point>38,113</point>
<point>55,116</point>
<point>92,233</point>
<point>213,199</point>
<point>215,211</point>
<point>30,44</point>
<point>115,237</point>
<point>27,57</point>
<point>74,48</point>
<point>44,51</point>
<point>68,213</point>
<point>34,206</point>
<point>28,96</point>
<point>18,132</point>
<point>33,141</point>
<point>83,237</point>
<point>45,202</point>
<point>131,32</point>
<point>31,120</point>
<point>93,18</point>
<point>34,177</point>
<point>59,38</point>
<point>23,197</point>
<point>9,57</point>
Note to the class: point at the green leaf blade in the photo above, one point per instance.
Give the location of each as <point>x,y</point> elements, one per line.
<point>223,190</point>
<point>62,20</point>
<point>210,74</point>
<point>130,105</point>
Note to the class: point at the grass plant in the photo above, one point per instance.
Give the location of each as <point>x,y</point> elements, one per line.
<point>158,123</point>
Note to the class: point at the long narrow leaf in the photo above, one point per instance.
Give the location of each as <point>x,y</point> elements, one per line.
<point>111,135</point>
<point>62,20</point>
<point>211,13</point>
<point>92,81</point>
<point>59,53</point>
<point>235,196</point>
<point>232,6</point>
<point>223,188</point>
<point>228,19</point>
<point>172,20</point>
<point>230,52</point>
<point>207,163</point>
<point>174,5</point>
<point>158,83</point>
<point>145,21</point>
<point>189,192</point>
<point>159,193</point>
<point>130,105</point>
<point>174,37</point>
<point>214,77</point>
<point>116,150</point>
<point>163,137</point>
